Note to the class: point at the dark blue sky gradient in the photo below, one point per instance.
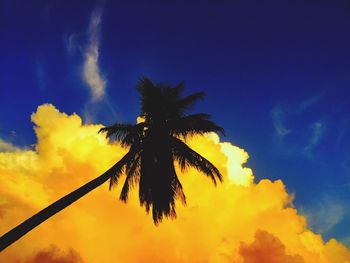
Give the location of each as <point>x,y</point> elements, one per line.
<point>261,65</point>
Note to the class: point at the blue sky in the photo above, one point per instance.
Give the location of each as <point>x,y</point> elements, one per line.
<point>276,77</point>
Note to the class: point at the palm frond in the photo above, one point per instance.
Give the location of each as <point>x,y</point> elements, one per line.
<point>144,86</point>
<point>148,168</point>
<point>125,133</point>
<point>193,124</point>
<point>186,104</point>
<point>118,130</point>
<point>150,98</point>
<point>132,177</point>
<point>117,169</point>
<point>159,186</point>
<point>177,90</point>
<point>187,157</point>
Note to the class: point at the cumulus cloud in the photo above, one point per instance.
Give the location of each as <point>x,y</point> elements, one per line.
<point>232,222</point>
<point>266,248</point>
<point>54,255</point>
<point>91,71</point>
<point>2,210</point>
<point>6,146</point>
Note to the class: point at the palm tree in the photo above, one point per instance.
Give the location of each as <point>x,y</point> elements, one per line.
<point>154,144</point>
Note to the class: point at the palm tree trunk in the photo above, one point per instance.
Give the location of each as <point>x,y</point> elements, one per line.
<point>23,228</point>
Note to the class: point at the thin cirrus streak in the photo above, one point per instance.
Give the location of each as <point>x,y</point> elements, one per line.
<point>91,71</point>
<point>318,129</point>
<point>278,123</point>
<point>238,221</point>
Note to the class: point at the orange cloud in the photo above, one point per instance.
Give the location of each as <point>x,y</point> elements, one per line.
<point>54,255</point>
<point>233,222</point>
<point>267,248</point>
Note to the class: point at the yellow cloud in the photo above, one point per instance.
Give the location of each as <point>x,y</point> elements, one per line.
<point>6,146</point>
<point>234,222</point>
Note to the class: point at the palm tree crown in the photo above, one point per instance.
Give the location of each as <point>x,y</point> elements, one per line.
<point>156,142</point>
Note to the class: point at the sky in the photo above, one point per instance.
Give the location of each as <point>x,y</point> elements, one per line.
<point>275,74</point>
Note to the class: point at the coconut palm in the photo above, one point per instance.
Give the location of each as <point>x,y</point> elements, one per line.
<point>154,144</point>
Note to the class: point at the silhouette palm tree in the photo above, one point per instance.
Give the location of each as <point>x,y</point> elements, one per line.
<point>154,144</point>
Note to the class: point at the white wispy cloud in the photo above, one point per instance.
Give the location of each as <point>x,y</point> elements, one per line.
<point>71,43</point>
<point>87,46</point>
<point>346,164</point>
<point>278,123</point>
<point>343,131</point>
<point>318,129</point>
<point>326,213</point>
<point>293,134</point>
<point>40,75</point>
<point>307,103</point>
<point>91,71</point>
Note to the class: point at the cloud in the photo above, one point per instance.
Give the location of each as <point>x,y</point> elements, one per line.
<point>71,42</point>
<point>278,123</point>
<point>54,255</point>
<point>228,223</point>
<point>40,75</point>
<point>304,105</point>
<point>326,214</point>
<point>318,130</point>
<point>266,248</point>
<point>6,146</point>
<point>279,114</point>
<point>91,71</point>
<point>342,132</point>
<point>87,46</point>
<point>3,208</point>
<point>309,133</point>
